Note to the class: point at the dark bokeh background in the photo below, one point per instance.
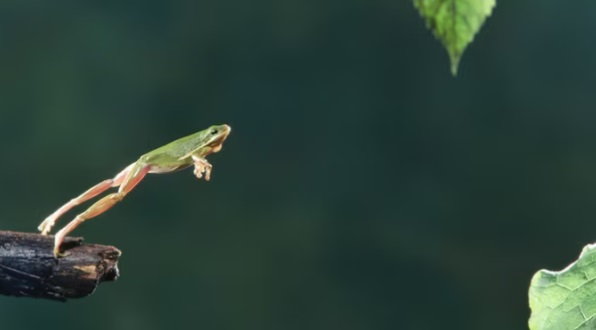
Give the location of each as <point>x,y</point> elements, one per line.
<point>363,187</point>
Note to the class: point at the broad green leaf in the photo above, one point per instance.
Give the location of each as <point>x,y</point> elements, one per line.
<point>455,22</point>
<point>565,299</point>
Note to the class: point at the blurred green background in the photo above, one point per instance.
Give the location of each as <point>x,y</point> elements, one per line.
<point>362,187</point>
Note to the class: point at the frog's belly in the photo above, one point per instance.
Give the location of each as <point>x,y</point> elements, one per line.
<point>167,169</point>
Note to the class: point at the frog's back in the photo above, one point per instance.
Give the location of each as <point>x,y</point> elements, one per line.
<point>170,156</point>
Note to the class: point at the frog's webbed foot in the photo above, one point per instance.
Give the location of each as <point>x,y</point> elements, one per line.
<point>202,167</point>
<point>46,225</point>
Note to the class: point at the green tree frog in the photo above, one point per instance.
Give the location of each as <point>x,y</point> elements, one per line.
<point>179,154</point>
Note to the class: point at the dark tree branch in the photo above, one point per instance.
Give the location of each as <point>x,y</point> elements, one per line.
<point>28,267</point>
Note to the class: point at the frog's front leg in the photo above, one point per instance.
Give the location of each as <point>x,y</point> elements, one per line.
<point>202,166</point>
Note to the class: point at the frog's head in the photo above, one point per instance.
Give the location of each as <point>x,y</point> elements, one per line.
<point>215,137</point>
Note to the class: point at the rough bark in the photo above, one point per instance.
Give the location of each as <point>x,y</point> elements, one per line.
<point>28,267</point>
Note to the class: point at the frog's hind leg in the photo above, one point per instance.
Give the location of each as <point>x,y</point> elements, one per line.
<point>130,179</point>
<point>49,222</point>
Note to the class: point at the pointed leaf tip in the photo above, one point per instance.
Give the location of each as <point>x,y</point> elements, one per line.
<point>455,23</point>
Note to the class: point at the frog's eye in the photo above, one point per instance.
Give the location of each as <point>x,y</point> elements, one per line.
<point>214,131</point>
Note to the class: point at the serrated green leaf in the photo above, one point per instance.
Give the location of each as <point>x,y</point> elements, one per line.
<point>455,22</point>
<point>565,299</point>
